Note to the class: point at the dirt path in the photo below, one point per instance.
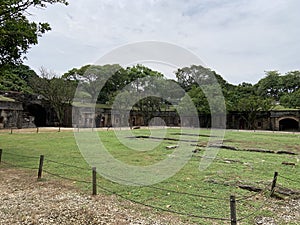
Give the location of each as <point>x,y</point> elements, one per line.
<point>26,201</point>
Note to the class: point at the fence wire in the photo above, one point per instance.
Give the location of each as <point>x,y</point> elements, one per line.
<point>22,156</point>
<point>65,164</point>
<point>289,179</point>
<point>67,178</point>
<point>20,166</point>
<point>241,198</point>
<point>160,208</point>
<point>169,190</point>
<point>254,212</point>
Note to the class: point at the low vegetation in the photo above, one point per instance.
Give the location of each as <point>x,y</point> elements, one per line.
<point>227,175</point>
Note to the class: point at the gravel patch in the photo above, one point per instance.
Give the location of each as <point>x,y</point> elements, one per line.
<point>285,211</point>
<point>26,201</point>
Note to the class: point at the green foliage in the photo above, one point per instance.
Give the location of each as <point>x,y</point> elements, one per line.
<point>17,33</point>
<point>146,88</point>
<point>219,180</point>
<point>105,82</point>
<point>59,92</point>
<point>16,78</point>
<point>251,106</point>
<point>98,81</point>
<point>197,75</point>
<point>243,97</point>
<point>6,99</point>
<point>291,100</point>
<point>291,82</point>
<point>235,93</point>
<point>275,85</point>
<point>271,85</point>
<point>205,87</point>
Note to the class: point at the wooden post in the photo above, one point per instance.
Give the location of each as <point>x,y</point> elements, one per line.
<point>274,184</point>
<point>11,130</point>
<point>233,210</point>
<point>94,173</point>
<point>0,155</point>
<point>37,130</point>
<point>41,167</point>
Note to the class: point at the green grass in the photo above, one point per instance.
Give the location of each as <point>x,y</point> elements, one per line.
<point>6,99</point>
<point>229,167</point>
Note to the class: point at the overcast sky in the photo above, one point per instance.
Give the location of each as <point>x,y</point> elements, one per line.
<point>236,38</point>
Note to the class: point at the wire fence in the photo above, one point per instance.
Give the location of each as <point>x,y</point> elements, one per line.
<point>243,198</point>
<point>289,179</point>
<point>67,165</point>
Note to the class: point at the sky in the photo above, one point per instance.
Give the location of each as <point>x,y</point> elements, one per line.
<point>239,39</point>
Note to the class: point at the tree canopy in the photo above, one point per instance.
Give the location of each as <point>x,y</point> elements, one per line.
<point>59,92</point>
<point>17,33</point>
<point>17,78</point>
<point>149,90</point>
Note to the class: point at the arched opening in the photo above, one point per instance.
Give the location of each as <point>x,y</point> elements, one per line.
<point>39,114</point>
<point>288,124</point>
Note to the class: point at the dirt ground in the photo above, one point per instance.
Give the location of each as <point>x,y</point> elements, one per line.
<point>53,201</point>
<point>26,201</point>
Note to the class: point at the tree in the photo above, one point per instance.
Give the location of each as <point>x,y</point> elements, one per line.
<point>270,86</point>
<point>98,81</point>
<point>251,106</point>
<point>204,88</point>
<point>17,33</point>
<point>59,92</point>
<point>17,78</point>
<point>235,93</point>
<point>291,82</point>
<point>291,100</point>
<point>197,75</point>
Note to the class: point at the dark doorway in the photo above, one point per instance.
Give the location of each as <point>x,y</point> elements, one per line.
<point>133,121</point>
<point>39,114</point>
<point>288,125</point>
<point>102,121</point>
<point>242,124</point>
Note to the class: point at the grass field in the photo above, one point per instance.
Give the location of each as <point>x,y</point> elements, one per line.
<point>208,190</point>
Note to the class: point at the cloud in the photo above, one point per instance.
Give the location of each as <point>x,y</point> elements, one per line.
<point>238,39</point>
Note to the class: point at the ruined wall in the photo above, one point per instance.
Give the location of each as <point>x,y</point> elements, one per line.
<point>10,114</point>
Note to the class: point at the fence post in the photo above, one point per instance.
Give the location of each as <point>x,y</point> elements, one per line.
<point>0,154</point>
<point>233,210</point>
<point>41,167</point>
<point>94,173</point>
<point>274,183</point>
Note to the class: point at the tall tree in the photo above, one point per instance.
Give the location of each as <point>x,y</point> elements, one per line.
<point>197,75</point>
<point>291,100</point>
<point>16,78</point>
<point>234,93</point>
<point>251,106</point>
<point>145,86</point>
<point>17,33</point>
<point>271,85</point>
<point>204,86</point>
<point>59,92</point>
<point>291,82</point>
<point>99,81</point>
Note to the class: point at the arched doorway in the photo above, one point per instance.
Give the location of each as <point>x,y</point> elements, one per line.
<point>288,124</point>
<point>39,114</point>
